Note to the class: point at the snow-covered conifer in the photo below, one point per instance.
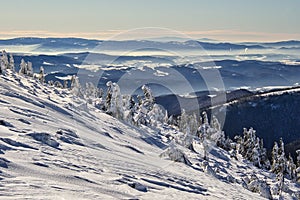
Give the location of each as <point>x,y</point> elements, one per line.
<point>29,71</point>
<point>76,86</point>
<point>281,157</point>
<point>23,67</point>
<point>11,62</point>
<point>58,84</point>
<point>66,84</point>
<point>290,168</point>
<point>183,121</point>
<point>114,100</point>
<point>42,75</point>
<point>156,115</point>
<point>4,64</point>
<point>148,98</point>
<point>265,163</point>
<point>298,166</point>
<point>274,160</point>
<point>99,92</point>
<point>108,96</point>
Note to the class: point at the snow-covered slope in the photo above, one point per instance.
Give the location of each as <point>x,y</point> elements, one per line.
<point>55,146</point>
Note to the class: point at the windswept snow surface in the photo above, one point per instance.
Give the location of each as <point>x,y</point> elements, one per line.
<point>55,146</point>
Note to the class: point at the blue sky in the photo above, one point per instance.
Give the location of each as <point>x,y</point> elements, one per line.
<point>220,19</point>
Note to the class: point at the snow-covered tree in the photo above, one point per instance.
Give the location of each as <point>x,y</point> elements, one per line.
<point>23,67</point>
<point>58,84</point>
<point>255,156</point>
<point>108,96</point>
<point>144,107</point>
<point>279,164</point>
<point>281,167</point>
<point>11,62</point>
<point>66,84</point>
<point>290,168</point>
<point>129,108</point>
<point>29,70</point>
<point>183,121</point>
<point>218,135</point>
<point>265,163</point>
<point>41,75</point>
<point>298,166</point>
<point>149,100</point>
<point>274,155</point>
<point>166,117</point>
<point>99,93</point>
<point>114,100</point>
<point>175,154</point>
<point>76,86</point>
<point>205,118</point>
<point>4,64</point>
<point>156,115</point>
<point>251,148</point>
<point>90,92</point>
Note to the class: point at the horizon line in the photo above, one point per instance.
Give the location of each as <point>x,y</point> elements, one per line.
<point>218,35</point>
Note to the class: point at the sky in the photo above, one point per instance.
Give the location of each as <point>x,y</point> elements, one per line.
<point>232,20</point>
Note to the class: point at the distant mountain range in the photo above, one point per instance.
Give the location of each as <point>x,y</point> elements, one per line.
<point>162,42</point>
<point>53,44</point>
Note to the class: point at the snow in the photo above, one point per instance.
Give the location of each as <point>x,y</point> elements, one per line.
<point>47,63</point>
<point>55,146</point>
